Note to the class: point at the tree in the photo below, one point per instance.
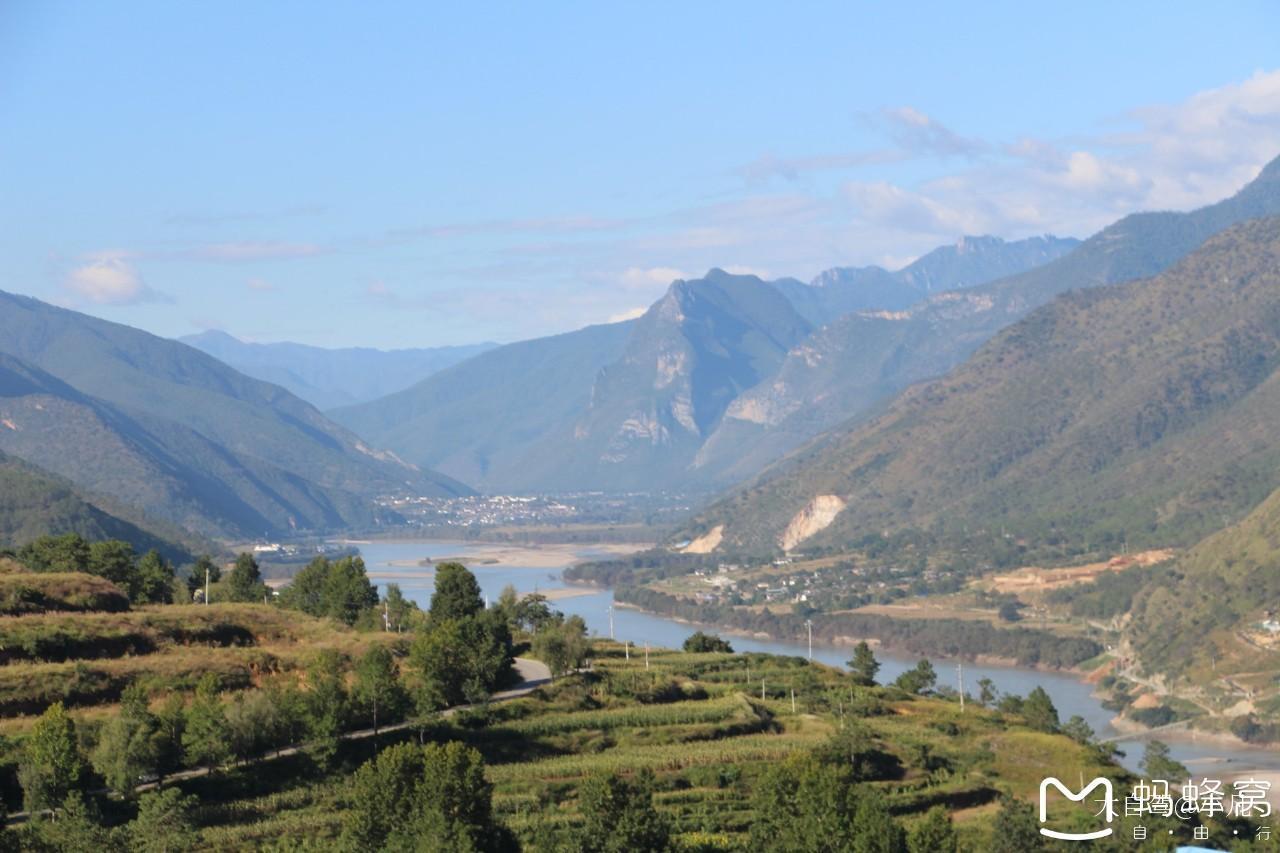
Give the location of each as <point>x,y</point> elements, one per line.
<point>619,816</point>
<point>51,767</point>
<point>1078,730</point>
<point>1015,828</point>
<point>347,591</point>
<point>152,580</point>
<point>532,612</point>
<point>113,560</point>
<point>76,828</point>
<point>196,580</point>
<point>398,608</point>
<point>206,735</point>
<point>699,642</point>
<point>408,793</point>
<point>933,833</point>
<point>863,665</point>
<point>802,805</point>
<point>377,690</point>
<point>253,724</point>
<point>1010,611</point>
<point>987,692</point>
<point>326,705</point>
<point>306,591</point>
<point>457,594</point>
<point>171,722</point>
<point>562,645</point>
<point>66,553</point>
<point>918,680</point>
<point>245,582</point>
<point>459,660</point>
<point>1039,711</point>
<point>128,748</point>
<point>1157,763</point>
<point>163,823</point>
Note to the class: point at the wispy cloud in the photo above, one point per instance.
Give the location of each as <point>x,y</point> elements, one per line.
<point>253,250</point>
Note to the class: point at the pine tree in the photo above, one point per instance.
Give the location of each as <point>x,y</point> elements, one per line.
<point>864,666</point>
<point>206,737</point>
<point>457,594</point>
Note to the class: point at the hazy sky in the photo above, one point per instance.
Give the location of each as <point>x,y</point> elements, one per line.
<point>410,174</point>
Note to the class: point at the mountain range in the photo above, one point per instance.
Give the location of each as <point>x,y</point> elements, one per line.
<point>641,405</point>
<point>164,427</point>
<point>329,378</point>
<point>1137,409</point>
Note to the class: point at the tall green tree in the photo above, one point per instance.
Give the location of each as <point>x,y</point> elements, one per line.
<point>164,823</point>
<point>460,660</point>
<point>347,591</point>
<point>51,768</point>
<point>1016,828</point>
<point>410,794</point>
<point>327,704</point>
<point>804,805</point>
<point>378,691</point>
<point>196,580</point>
<point>618,816</point>
<point>171,722</point>
<point>933,833</point>
<point>863,666</point>
<point>113,560</point>
<point>66,553</point>
<point>245,582</point>
<point>1158,763</point>
<point>457,594</point>
<point>152,579</point>
<point>562,645</point>
<point>206,737</point>
<point>398,609</point>
<point>1039,711</point>
<point>306,591</point>
<point>129,745</point>
<point>918,680</point>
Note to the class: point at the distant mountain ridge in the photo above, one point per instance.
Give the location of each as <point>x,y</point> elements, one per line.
<point>1140,410</point>
<point>632,407</point>
<point>967,262</point>
<point>856,364</point>
<point>176,432</point>
<point>329,378</point>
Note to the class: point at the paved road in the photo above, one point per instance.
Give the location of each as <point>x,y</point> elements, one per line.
<point>533,674</point>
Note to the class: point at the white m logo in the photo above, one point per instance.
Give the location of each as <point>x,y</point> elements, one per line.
<point>1109,811</point>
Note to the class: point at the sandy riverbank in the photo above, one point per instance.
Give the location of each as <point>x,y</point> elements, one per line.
<point>517,556</point>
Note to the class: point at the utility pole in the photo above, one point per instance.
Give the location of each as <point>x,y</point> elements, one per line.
<point>762,690</point>
<point>646,654</point>
<point>960,678</point>
<point>386,615</point>
<point>206,585</point>
<point>793,700</point>
<point>611,622</point>
<point>626,648</point>
<point>808,623</point>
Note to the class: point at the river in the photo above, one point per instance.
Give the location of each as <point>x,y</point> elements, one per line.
<point>397,562</point>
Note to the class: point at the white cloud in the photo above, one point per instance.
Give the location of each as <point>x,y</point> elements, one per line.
<point>629,314</point>
<point>109,279</point>
<point>646,279</point>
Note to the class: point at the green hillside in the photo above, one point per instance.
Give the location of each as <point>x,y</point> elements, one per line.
<point>1142,411</point>
<point>34,503</point>
<point>161,425</point>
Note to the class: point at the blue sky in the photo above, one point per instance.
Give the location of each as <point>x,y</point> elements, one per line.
<point>406,174</point>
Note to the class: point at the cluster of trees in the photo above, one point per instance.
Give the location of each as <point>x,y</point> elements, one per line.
<point>148,578</point>
<point>339,590</point>
<point>701,642</point>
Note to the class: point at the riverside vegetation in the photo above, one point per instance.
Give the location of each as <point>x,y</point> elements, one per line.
<point>321,721</point>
